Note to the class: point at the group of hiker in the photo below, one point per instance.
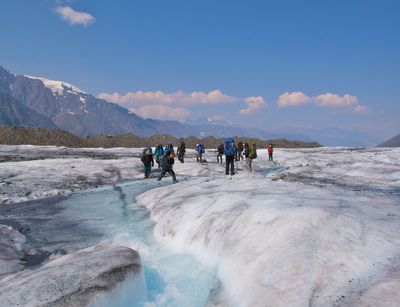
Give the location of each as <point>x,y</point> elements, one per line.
<point>164,156</point>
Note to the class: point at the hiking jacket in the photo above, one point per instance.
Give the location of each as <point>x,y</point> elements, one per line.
<point>167,163</point>
<point>159,151</point>
<point>147,159</point>
<point>181,151</point>
<point>270,149</point>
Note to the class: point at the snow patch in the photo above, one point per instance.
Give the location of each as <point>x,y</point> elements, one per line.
<point>57,87</point>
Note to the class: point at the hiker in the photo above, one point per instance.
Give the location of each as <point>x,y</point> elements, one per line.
<point>148,161</point>
<point>240,150</point>
<point>229,151</point>
<point>220,152</point>
<point>159,152</point>
<point>246,150</point>
<point>252,153</point>
<point>199,152</point>
<point>181,151</point>
<point>167,163</point>
<point>270,152</point>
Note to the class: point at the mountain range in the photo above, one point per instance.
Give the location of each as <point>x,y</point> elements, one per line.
<point>392,142</point>
<point>38,102</point>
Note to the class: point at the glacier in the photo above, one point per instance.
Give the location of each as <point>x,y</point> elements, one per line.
<point>318,227</point>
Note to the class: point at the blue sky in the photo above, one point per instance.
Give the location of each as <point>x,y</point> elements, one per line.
<point>261,63</point>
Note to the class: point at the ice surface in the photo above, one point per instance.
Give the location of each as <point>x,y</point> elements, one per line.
<point>315,229</point>
<point>10,250</point>
<point>318,227</point>
<point>71,280</point>
<point>49,170</point>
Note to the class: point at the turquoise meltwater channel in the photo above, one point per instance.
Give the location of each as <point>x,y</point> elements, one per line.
<point>111,213</point>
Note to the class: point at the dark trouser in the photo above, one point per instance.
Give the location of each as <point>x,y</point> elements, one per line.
<point>147,170</point>
<point>219,157</point>
<point>181,158</point>
<point>229,163</point>
<point>164,171</point>
<point>240,154</point>
<point>270,156</point>
<point>250,162</point>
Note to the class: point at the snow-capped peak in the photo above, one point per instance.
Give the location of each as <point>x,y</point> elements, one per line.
<point>57,87</point>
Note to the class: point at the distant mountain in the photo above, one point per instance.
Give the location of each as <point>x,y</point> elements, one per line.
<point>14,113</point>
<point>80,113</point>
<point>393,142</point>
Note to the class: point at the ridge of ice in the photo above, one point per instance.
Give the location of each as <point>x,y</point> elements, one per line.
<point>57,87</point>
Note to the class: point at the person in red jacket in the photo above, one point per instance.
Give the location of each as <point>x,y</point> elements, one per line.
<point>270,152</point>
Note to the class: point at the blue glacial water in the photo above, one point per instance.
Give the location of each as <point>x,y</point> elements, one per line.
<point>111,213</point>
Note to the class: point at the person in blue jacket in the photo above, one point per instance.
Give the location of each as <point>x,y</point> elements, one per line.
<point>229,151</point>
<point>200,151</point>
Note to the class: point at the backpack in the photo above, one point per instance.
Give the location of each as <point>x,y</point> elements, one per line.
<point>147,149</point>
<point>229,147</point>
<point>202,148</point>
<point>253,150</point>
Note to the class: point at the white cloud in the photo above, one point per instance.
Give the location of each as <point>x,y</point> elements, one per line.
<point>176,98</point>
<point>292,99</point>
<point>161,112</point>
<point>362,109</point>
<point>74,17</point>
<point>158,104</point>
<point>253,104</point>
<point>334,100</point>
<point>326,100</point>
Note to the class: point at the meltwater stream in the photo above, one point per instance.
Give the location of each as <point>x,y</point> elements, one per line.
<point>111,213</point>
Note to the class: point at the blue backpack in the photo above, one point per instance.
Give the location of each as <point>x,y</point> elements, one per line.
<point>229,147</point>
<point>200,148</point>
